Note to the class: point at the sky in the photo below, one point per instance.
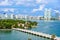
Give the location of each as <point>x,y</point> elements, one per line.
<point>29,7</point>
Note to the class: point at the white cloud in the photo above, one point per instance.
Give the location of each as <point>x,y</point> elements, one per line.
<point>5,2</point>
<point>25,2</point>
<point>34,10</point>
<point>41,7</point>
<point>41,1</point>
<point>7,9</point>
<point>17,2</point>
<point>12,9</point>
<point>21,2</point>
<point>46,1</point>
<point>38,1</point>
<point>30,2</point>
<point>56,11</point>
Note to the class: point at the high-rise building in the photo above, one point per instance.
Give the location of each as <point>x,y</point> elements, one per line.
<point>57,15</point>
<point>16,16</point>
<point>26,16</point>
<point>6,16</point>
<point>38,17</point>
<point>13,16</point>
<point>47,14</point>
<point>0,16</point>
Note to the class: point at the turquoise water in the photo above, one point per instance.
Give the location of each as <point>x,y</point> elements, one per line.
<point>17,35</point>
<point>50,27</point>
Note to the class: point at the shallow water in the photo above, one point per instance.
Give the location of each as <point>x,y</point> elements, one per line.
<point>50,27</point>
<point>17,35</point>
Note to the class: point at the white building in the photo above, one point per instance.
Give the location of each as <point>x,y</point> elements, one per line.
<point>0,16</point>
<point>25,16</point>
<point>6,15</point>
<point>40,17</point>
<point>57,15</point>
<point>20,16</point>
<point>47,14</point>
<point>16,16</point>
<point>13,16</point>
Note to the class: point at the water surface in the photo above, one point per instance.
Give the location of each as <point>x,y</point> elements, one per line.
<point>49,27</point>
<point>17,35</point>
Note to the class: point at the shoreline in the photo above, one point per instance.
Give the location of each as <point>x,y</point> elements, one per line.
<point>5,29</point>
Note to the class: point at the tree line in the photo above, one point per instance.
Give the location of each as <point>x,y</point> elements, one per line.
<point>10,23</point>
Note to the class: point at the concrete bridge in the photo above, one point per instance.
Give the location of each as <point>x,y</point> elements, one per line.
<point>36,33</point>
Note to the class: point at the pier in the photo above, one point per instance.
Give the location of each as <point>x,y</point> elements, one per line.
<point>36,33</point>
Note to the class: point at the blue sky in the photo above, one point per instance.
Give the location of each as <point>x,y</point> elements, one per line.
<point>29,7</point>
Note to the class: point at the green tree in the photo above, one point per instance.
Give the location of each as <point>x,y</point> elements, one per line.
<point>52,37</point>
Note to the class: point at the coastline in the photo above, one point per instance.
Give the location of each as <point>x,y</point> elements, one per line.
<point>5,29</point>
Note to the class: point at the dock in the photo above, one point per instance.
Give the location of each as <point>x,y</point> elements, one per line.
<point>44,35</point>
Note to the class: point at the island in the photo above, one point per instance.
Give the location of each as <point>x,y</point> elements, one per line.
<point>10,23</point>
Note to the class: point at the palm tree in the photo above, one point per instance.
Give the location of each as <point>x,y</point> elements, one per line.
<point>52,37</point>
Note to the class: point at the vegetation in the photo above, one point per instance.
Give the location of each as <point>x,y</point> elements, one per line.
<point>9,23</point>
<point>29,39</point>
<point>52,37</point>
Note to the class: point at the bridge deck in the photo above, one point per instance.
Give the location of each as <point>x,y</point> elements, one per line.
<point>36,33</point>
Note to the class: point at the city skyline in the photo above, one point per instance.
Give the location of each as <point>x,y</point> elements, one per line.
<point>29,7</point>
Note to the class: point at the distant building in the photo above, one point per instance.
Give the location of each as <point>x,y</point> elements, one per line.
<point>57,16</point>
<point>16,16</point>
<point>0,16</point>
<point>6,16</point>
<point>30,17</point>
<point>47,14</point>
<point>40,18</point>
<point>26,16</point>
<point>13,16</point>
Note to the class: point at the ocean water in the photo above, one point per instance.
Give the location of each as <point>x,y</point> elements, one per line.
<point>17,35</point>
<point>49,27</point>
